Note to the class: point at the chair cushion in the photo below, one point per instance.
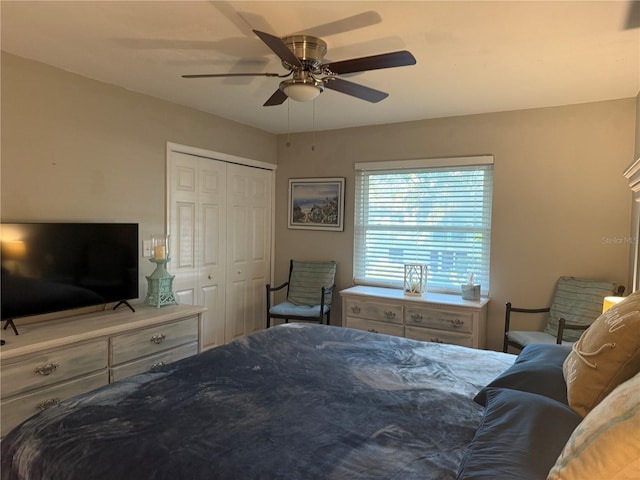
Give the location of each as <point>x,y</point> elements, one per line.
<point>529,337</point>
<point>288,309</point>
<point>307,279</point>
<point>607,354</point>
<point>579,302</point>
<point>607,442</point>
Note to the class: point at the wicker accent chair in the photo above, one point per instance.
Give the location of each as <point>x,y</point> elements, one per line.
<point>309,292</point>
<point>576,304</point>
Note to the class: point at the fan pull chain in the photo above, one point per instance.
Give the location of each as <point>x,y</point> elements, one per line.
<point>313,126</point>
<point>288,144</point>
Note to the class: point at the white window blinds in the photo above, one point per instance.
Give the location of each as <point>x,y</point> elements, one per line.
<point>432,212</point>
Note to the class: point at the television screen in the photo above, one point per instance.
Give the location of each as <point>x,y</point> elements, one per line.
<point>50,267</point>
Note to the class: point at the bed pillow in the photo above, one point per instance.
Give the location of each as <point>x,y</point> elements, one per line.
<point>538,369</point>
<point>607,354</point>
<point>520,437</point>
<point>607,442</point>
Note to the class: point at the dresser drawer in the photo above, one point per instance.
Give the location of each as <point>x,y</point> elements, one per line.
<point>384,312</point>
<point>152,362</point>
<point>375,326</point>
<point>130,346</point>
<point>438,336</point>
<point>21,407</point>
<point>456,321</point>
<point>53,366</point>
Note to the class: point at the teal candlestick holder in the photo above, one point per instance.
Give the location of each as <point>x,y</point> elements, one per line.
<point>160,291</point>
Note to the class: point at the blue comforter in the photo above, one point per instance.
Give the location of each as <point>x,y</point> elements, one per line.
<point>292,402</point>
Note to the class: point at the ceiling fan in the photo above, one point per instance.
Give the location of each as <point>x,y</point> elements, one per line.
<point>302,56</point>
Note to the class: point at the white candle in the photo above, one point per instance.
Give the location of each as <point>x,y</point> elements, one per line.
<point>158,252</point>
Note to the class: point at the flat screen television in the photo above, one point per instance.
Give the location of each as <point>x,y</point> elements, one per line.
<point>51,267</point>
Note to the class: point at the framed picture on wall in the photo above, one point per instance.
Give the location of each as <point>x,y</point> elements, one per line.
<point>316,204</point>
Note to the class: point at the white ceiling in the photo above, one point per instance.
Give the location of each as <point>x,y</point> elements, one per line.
<point>472,57</point>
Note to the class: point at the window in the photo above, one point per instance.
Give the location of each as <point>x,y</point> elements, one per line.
<point>434,212</point>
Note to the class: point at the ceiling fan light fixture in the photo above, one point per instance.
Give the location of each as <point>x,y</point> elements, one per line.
<point>302,88</point>
<point>301,92</point>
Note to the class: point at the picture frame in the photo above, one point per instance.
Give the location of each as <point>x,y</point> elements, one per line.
<point>316,204</point>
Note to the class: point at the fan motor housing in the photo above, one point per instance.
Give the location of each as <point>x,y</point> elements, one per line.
<point>310,50</point>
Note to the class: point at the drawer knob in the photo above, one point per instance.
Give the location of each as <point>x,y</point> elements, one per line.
<point>372,330</point>
<point>355,309</point>
<point>416,317</point>
<point>389,315</point>
<point>157,365</point>
<point>436,340</point>
<point>457,323</point>
<point>158,338</point>
<point>51,402</point>
<point>47,369</point>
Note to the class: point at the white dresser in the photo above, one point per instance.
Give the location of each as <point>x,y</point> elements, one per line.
<point>57,359</point>
<point>433,317</point>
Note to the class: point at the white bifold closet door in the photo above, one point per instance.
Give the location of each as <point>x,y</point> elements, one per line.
<point>219,219</point>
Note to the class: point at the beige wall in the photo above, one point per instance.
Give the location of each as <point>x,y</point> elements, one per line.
<point>560,207</point>
<point>75,149</point>
<point>637,126</point>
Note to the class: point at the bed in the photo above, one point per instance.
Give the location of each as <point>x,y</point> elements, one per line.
<point>304,401</point>
<point>294,401</point>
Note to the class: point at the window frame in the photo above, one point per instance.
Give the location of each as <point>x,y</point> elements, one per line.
<point>362,211</point>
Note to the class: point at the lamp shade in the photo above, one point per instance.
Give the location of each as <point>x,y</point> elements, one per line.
<point>301,92</point>
<point>610,302</point>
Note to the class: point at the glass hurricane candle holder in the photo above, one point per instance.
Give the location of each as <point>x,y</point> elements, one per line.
<point>160,247</point>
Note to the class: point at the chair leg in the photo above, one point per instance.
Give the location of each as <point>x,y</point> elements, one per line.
<point>329,317</point>
<point>268,305</point>
<point>560,333</point>
<point>507,319</point>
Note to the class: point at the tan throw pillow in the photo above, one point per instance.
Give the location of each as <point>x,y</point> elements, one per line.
<point>607,354</point>
<point>606,444</point>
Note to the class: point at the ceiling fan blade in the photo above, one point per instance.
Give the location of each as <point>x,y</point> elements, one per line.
<point>633,16</point>
<point>354,22</point>
<point>373,62</point>
<point>279,48</point>
<point>214,75</point>
<point>234,16</point>
<point>355,90</point>
<point>278,98</point>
